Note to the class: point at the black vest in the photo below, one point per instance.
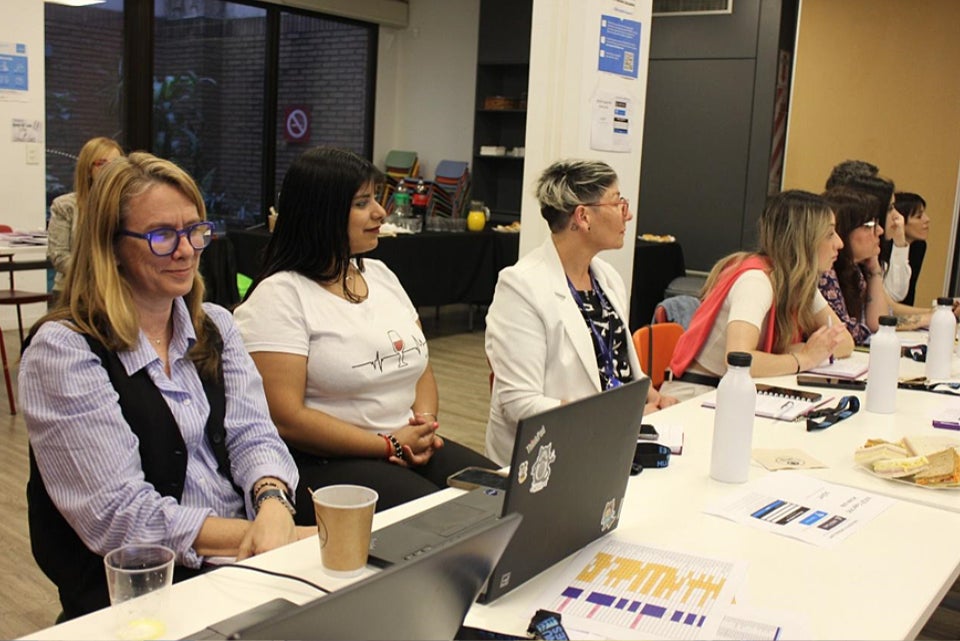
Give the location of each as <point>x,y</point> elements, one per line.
<point>78,572</point>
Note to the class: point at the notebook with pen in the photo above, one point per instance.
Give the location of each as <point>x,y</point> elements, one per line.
<point>841,368</point>
<point>781,403</point>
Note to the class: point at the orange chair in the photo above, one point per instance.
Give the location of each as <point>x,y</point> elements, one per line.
<point>655,345</point>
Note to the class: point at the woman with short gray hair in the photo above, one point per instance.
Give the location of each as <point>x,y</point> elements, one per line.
<point>556,330</point>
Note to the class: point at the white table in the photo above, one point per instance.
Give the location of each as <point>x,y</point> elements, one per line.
<point>881,583</point>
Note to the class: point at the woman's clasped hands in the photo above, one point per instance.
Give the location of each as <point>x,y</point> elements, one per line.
<point>419,440</point>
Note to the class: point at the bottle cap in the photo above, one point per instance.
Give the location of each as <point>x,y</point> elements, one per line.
<point>888,321</point>
<point>945,300</point>
<point>739,359</point>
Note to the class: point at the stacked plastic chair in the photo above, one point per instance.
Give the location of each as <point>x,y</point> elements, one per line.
<point>399,165</point>
<point>450,189</point>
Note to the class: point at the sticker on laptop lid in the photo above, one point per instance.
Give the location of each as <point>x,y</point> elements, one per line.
<point>609,516</point>
<point>522,470</point>
<point>541,468</point>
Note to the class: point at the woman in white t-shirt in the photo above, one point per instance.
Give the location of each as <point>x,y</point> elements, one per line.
<point>344,361</point>
<point>766,302</point>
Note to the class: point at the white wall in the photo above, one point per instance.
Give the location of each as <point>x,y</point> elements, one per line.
<point>426,81</point>
<point>563,79</point>
<point>22,185</point>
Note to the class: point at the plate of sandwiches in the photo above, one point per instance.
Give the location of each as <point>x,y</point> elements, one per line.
<point>931,462</point>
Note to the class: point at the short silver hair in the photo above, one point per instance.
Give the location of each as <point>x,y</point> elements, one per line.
<point>568,183</point>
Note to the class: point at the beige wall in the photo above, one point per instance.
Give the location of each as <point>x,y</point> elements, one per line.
<point>879,80</point>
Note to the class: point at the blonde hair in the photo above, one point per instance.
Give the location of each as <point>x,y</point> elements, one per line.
<point>97,297</point>
<point>92,151</point>
<point>568,183</point>
<point>791,228</point>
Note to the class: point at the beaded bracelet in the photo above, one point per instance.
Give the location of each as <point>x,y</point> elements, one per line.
<point>258,487</point>
<point>393,446</point>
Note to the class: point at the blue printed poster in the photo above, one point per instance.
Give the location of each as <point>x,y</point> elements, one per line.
<point>13,67</point>
<point>619,46</point>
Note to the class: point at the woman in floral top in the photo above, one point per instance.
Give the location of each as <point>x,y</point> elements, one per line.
<point>854,287</point>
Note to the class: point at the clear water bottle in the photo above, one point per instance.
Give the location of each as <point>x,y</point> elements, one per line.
<point>733,421</point>
<point>884,369</point>
<point>943,329</point>
<point>402,212</point>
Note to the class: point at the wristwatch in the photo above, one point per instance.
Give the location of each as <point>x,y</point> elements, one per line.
<point>279,495</point>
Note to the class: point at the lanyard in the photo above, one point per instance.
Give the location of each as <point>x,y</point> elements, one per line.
<point>605,347</point>
<point>847,407</point>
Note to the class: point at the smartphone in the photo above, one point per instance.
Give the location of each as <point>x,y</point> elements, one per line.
<point>648,432</point>
<point>830,381</point>
<point>470,478</point>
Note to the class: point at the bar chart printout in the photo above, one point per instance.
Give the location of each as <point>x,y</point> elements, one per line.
<point>620,590</point>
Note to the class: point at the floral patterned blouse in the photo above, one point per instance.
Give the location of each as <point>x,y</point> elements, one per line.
<point>830,288</point>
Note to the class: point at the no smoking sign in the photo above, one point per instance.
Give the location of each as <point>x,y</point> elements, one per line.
<point>296,124</point>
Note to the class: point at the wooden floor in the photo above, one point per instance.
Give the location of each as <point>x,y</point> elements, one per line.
<point>28,600</point>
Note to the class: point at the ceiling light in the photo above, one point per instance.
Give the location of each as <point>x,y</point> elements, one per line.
<point>76,3</point>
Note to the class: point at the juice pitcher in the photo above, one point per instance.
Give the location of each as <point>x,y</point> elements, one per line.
<point>478,216</point>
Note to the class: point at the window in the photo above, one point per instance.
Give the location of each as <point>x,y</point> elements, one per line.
<point>324,83</point>
<point>224,77</point>
<point>208,78</point>
<point>84,84</point>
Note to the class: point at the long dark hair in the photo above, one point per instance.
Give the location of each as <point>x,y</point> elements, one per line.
<point>853,208</point>
<point>880,188</point>
<point>908,204</point>
<point>310,236</point>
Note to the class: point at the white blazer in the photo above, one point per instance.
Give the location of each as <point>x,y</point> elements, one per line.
<point>539,347</point>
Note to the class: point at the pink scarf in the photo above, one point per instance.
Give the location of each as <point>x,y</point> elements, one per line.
<point>692,340</point>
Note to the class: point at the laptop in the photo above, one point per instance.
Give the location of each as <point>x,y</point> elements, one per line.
<point>426,598</point>
<point>568,476</point>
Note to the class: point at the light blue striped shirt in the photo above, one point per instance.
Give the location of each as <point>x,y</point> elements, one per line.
<point>89,457</point>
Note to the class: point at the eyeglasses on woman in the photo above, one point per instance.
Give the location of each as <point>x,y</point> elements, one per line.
<point>163,241</point>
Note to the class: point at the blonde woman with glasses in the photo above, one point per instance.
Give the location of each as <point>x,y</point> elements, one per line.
<point>557,328</point>
<point>147,418</point>
<point>65,210</point>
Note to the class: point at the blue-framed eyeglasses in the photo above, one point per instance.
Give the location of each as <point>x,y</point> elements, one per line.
<point>163,241</point>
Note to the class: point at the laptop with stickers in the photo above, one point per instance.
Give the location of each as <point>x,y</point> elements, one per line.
<point>568,476</point>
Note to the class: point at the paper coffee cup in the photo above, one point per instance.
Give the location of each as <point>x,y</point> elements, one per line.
<point>344,521</point>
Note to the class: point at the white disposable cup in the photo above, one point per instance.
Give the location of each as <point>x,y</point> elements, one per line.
<point>344,520</point>
<point>137,575</point>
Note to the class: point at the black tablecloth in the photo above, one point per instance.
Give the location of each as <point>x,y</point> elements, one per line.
<point>654,266</point>
<point>435,268</point>
<point>439,268</point>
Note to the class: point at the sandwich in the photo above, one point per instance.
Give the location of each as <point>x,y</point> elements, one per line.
<point>944,469</point>
<point>896,468</point>
<point>870,454</point>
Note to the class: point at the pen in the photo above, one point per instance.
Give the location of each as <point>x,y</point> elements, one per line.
<point>829,325</point>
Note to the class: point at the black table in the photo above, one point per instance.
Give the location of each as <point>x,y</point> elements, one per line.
<point>435,268</point>
<point>654,266</point>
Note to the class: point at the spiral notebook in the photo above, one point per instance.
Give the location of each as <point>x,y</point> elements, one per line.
<point>781,403</point>
<point>841,368</point>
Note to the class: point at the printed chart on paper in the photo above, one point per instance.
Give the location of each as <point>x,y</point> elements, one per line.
<point>620,590</point>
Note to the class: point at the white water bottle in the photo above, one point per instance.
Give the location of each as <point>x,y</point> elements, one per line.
<point>733,422</point>
<point>884,368</point>
<point>943,328</point>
